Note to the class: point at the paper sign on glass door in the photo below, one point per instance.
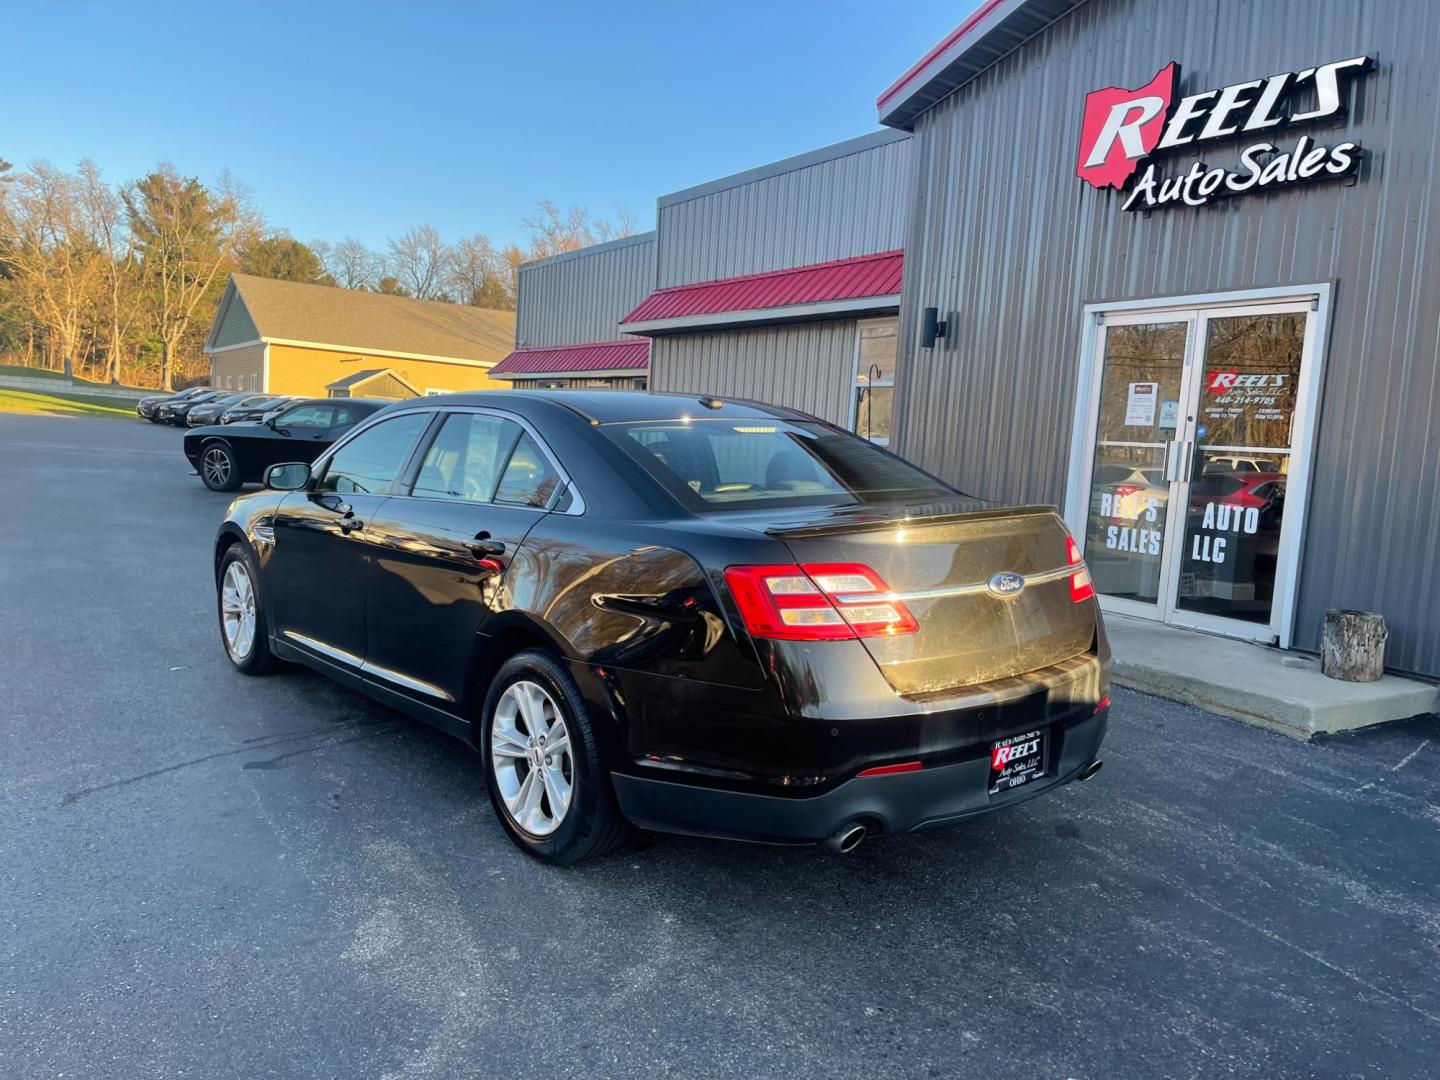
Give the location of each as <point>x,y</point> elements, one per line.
<point>1140,404</point>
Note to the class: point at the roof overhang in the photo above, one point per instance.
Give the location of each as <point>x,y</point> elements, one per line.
<point>616,373</point>
<point>350,382</point>
<point>842,287</point>
<point>994,29</point>
<point>628,356</point>
<point>886,304</point>
<point>363,351</point>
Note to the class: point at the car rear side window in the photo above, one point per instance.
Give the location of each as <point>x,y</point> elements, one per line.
<point>465,461</point>
<point>370,462</point>
<point>750,463</point>
<point>529,479</point>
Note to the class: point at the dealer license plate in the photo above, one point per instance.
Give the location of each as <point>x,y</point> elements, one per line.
<point>1017,760</point>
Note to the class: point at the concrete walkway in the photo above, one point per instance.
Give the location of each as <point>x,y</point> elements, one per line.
<point>1279,690</point>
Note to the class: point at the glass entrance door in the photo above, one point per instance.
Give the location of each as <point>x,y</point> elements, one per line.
<point>1196,418</point>
<point>1137,414</point>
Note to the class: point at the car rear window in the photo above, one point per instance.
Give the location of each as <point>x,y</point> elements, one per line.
<point>746,464</point>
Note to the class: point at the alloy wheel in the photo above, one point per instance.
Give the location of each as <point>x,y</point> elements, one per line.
<point>216,466</point>
<point>237,610</point>
<point>531,758</point>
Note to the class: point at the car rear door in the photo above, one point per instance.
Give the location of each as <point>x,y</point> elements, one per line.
<point>445,548</point>
<point>319,569</point>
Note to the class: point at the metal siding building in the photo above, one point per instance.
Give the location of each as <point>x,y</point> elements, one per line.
<point>806,366</point>
<point>843,200</point>
<point>578,297</point>
<point>1012,248</point>
<point>803,214</point>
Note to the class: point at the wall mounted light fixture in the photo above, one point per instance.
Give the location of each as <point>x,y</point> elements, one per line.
<point>931,328</point>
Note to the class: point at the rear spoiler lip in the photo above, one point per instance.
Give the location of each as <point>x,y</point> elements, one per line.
<point>835,528</point>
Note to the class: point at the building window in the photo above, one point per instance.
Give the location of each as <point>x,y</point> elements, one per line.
<point>876,345</point>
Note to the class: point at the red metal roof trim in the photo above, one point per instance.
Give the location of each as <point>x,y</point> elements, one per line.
<point>843,279</point>
<point>632,354</point>
<point>925,61</point>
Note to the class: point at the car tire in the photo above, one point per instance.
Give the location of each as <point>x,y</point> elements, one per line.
<point>237,602</point>
<point>590,823</point>
<point>219,471</point>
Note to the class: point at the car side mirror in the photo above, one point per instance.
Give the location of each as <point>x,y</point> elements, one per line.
<point>290,476</point>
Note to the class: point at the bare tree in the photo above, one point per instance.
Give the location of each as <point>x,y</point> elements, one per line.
<point>108,232</point>
<point>352,264</point>
<point>553,231</point>
<point>421,262</point>
<point>479,275</point>
<point>48,253</point>
<point>187,234</point>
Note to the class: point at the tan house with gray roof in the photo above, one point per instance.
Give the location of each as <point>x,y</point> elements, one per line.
<point>285,337</point>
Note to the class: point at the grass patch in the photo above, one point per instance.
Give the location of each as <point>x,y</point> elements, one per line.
<point>30,372</point>
<point>28,401</point>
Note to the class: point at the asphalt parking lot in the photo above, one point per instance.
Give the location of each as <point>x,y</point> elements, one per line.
<point>211,876</point>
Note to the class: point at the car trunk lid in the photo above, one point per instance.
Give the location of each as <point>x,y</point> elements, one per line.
<point>941,559</point>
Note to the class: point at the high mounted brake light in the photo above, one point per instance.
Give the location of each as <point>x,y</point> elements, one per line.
<point>817,602</point>
<point>1080,587</point>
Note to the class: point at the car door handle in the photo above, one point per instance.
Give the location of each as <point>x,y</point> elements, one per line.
<point>482,547</point>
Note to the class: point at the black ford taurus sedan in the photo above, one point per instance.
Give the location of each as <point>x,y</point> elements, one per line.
<point>228,455</point>
<point>678,614</point>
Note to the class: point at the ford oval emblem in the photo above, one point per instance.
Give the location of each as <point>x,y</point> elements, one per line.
<point>1005,584</point>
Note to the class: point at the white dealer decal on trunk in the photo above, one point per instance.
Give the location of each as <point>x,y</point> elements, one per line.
<point>1123,129</point>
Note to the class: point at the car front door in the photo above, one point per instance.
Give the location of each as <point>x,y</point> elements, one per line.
<point>298,434</point>
<point>321,560</point>
<point>445,546</point>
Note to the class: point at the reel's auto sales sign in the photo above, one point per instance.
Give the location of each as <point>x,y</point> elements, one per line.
<point>1123,131</point>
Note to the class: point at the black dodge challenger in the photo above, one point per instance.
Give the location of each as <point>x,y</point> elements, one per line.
<point>678,614</point>
<point>225,456</point>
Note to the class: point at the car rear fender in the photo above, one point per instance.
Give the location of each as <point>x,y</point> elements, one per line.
<point>506,633</point>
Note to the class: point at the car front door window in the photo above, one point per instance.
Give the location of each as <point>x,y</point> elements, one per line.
<point>370,462</point>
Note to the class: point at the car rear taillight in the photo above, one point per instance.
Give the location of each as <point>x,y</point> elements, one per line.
<point>817,602</point>
<point>1080,587</point>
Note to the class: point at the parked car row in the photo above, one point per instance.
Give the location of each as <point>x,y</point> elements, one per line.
<point>207,405</point>
<point>235,436</point>
<point>226,455</point>
<point>233,407</point>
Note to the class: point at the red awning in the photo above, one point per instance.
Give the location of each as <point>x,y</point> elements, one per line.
<point>838,285</point>
<point>630,355</point>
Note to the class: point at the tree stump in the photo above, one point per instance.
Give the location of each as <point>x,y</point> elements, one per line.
<point>1353,648</point>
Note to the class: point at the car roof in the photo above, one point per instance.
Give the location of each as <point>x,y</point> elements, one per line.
<point>369,403</point>
<point>619,406</point>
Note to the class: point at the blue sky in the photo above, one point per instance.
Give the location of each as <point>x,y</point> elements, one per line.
<point>366,118</point>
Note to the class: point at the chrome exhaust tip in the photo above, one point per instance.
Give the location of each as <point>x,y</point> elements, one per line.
<point>846,838</point>
<point>1090,770</point>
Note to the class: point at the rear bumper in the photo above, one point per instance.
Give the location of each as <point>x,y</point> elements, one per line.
<point>901,802</point>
